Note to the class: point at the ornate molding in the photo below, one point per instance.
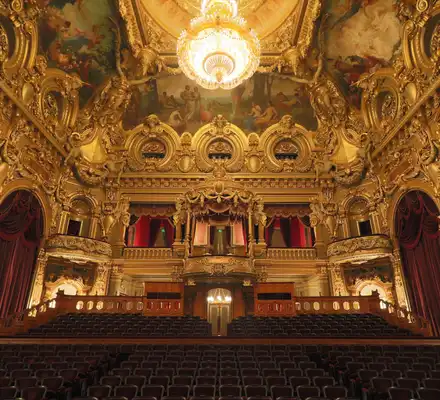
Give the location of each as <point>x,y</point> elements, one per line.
<point>218,266</point>
<point>78,248</point>
<point>359,249</point>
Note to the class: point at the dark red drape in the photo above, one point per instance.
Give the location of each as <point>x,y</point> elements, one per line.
<point>296,229</point>
<point>285,230</point>
<point>20,235</point>
<point>169,229</point>
<point>417,228</point>
<point>142,234</point>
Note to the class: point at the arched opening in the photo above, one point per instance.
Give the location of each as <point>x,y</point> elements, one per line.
<point>417,229</point>
<point>21,229</point>
<point>219,302</point>
<point>79,218</point>
<point>368,290</point>
<point>359,218</point>
<point>67,288</point>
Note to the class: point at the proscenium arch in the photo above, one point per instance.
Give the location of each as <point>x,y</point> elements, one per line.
<point>22,228</point>
<point>27,185</point>
<point>417,229</point>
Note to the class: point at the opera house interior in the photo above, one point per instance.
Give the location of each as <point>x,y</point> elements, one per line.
<point>220,199</point>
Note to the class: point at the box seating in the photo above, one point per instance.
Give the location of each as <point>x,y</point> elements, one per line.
<point>326,325</point>
<point>219,371</point>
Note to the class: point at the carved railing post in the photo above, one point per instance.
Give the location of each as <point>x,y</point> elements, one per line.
<point>337,280</point>
<point>40,272</point>
<point>100,285</point>
<point>117,271</point>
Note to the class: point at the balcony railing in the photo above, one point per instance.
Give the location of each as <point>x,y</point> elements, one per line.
<point>308,253</point>
<point>142,253</point>
<point>359,248</point>
<point>78,248</point>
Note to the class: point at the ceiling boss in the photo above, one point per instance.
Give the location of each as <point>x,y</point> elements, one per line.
<point>218,50</point>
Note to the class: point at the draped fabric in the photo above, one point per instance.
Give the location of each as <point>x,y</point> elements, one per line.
<point>296,231</point>
<point>297,238</point>
<point>147,228</point>
<point>142,233</point>
<point>417,228</point>
<point>20,235</point>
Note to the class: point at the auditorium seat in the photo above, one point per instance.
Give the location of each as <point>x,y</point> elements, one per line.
<point>336,371</point>
<point>335,325</point>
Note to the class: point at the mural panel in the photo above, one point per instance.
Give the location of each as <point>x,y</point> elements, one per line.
<point>76,36</point>
<point>364,35</point>
<point>254,106</point>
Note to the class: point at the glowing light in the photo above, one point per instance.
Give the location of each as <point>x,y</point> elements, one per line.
<point>210,299</point>
<point>218,50</point>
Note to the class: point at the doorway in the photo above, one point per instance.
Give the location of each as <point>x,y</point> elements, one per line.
<point>219,302</point>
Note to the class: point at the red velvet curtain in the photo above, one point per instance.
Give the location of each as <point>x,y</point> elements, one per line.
<point>296,233</point>
<point>142,234</point>
<point>417,228</point>
<point>20,235</point>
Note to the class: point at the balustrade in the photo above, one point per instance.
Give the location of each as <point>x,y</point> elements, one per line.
<point>291,254</point>
<point>63,304</point>
<point>141,253</point>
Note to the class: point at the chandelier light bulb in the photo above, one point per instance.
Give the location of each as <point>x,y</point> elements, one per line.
<point>218,50</point>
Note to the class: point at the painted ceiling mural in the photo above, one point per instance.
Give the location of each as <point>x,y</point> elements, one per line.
<point>76,36</point>
<point>361,36</point>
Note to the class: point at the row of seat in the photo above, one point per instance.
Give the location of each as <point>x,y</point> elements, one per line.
<point>85,325</point>
<point>227,371</point>
<point>338,325</point>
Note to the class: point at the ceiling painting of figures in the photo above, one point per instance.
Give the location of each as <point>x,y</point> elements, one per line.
<point>254,106</point>
<point>76,36</point>
<point>362,36</point>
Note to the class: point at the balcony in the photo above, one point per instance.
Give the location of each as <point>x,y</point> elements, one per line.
<point>152,253</point>
<point>359,249</point>
<point>78,248</point>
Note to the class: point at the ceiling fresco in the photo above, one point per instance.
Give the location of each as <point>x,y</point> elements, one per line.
<point>78,37</point>
<point>363,36</point>
<point>265,16</point>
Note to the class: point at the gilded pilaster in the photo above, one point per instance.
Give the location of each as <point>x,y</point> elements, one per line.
<point>401,294</point>
<point>40,271</point>
<point>337,281</point>
<point>100,285</point>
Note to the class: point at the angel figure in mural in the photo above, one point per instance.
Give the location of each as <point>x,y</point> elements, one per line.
<point>114,98</point>
<point>329,106</point>
<point>108,107</point>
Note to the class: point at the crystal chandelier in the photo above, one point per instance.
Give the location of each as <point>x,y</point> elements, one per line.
<point>218,50</point>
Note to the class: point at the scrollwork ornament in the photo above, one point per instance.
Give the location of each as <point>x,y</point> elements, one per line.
<point>422,5</point>
<point>4,45</point>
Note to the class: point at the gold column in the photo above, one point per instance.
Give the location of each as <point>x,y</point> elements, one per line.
<point>64,221</point>
<point>375,222</point>
<point>38,285</point>
<point>345,225</point>
<point>178,232</point>
<point>321,236</point>
<point>337,281</point>
<point>261,238</point>
<point>251,235</point>
<point>94,227</point>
